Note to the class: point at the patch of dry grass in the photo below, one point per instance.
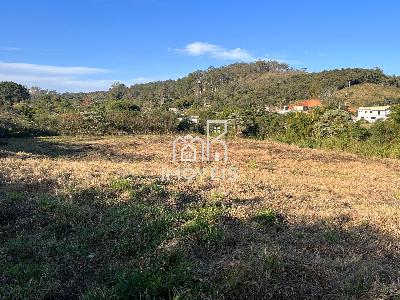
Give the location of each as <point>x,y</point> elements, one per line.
<point>367,94</point>
<point>89,217</point>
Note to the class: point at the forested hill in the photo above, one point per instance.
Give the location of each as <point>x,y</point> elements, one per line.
<point>258,84</point>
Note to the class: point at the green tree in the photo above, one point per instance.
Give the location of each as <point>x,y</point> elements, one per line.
<point>384,132</point>
<point>11,92</point>
<point>395,114</point>
<point>117,91</point>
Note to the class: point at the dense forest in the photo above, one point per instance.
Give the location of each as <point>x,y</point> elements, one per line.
<point>239,92</point>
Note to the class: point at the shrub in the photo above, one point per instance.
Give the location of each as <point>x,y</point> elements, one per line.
<point>299,126</point>
<point>331,123</point>
<point>384,132</point>
<point>270,125</point>
<point>12,124</point>
<point>395,114</point>
<point>122,105</point>
<point>358,132</point>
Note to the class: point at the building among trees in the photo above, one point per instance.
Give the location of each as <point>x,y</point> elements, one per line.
<point>373,113</point>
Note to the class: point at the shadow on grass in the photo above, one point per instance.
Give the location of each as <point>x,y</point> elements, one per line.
<point>259,260</point>
<point>55,148</point>
<point>88,245</point>
<point>43,147</point>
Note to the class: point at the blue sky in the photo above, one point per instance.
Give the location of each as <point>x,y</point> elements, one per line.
<point>89,44</point>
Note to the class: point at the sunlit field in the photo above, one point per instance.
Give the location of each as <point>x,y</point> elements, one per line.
<point>90,218</point>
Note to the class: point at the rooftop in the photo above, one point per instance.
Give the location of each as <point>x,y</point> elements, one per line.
<point>309,103</point>
<point>374,108</point>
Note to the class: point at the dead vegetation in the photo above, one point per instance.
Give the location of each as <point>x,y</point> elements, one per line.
<point>90,218</point>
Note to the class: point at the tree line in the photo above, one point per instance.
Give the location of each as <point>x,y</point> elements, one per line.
<point>238,92</point>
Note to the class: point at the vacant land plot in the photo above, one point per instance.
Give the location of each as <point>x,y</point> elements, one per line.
<point>89,218</point>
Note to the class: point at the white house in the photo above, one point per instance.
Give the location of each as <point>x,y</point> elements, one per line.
<point>284,110</point>
<point>193,119</point>
<point>373,113</point>
<point>300,108</point>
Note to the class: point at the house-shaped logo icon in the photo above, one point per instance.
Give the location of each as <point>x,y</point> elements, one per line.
<point>191,149</point>
<point>189,153</point>
<point>194,149</point>
<point>188,149</point>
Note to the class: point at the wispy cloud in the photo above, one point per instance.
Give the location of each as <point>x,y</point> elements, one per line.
<point>59,83</point>
<point>217,52</point>
<point>236,54</point>
<point>60,78</point>
<point>10,49</point>
<point>47,69</point>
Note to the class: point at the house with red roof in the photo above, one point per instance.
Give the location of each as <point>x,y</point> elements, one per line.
<point>310,103</point>
<point>301,106</point>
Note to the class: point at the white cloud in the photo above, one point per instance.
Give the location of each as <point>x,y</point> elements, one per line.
<point>217,52</point>
<point>60,78</point>
<point>46,69</point>
<point>59,83</point>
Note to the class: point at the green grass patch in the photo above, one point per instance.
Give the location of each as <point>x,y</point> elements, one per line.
<point>25,270</point>
<point>273,265</point>
<point>14,196</point>
<point>331,236</point>
<point>203,224</point>
<point>48,203</point>
<point>140,191</point>
<point>121,185</point>
<point>266,217</point>
<point>168,277</point>
<point>154,190</point>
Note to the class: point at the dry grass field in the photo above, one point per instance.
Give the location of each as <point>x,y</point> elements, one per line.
<point>89,218</point>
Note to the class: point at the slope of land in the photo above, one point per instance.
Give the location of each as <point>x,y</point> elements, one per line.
<point>88,217</point>
<point>368,94</point>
